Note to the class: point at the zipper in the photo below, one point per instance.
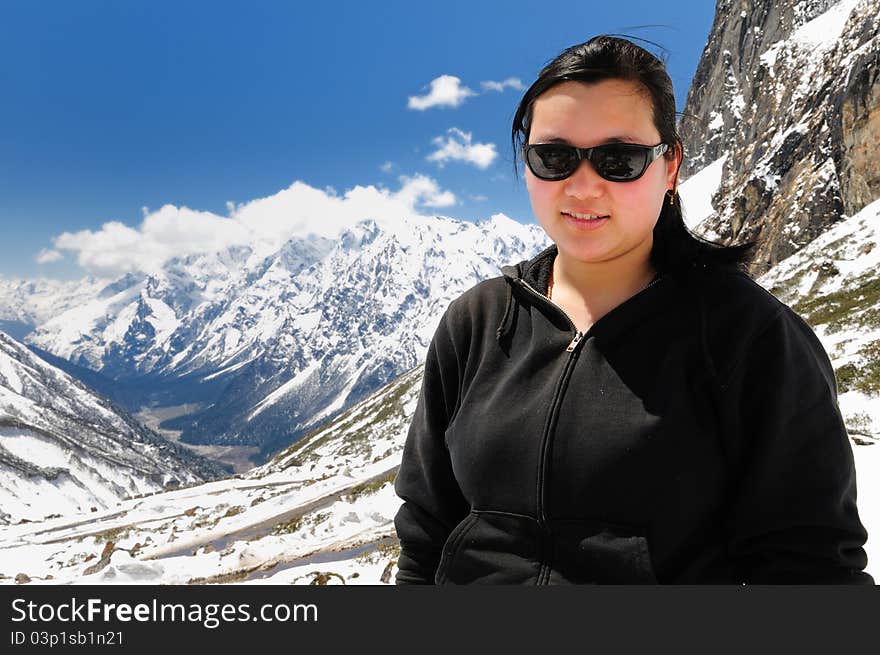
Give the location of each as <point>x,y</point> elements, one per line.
<point>578,335</point>
<point>546,440</point>
<point>572,349</point>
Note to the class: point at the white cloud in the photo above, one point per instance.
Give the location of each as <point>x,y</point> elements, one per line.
<point>511,82</point>
<point>446,91</point>
<point>386,167</point>
<point>47,256</point>
<point>421,189</point>
<point>457,146</point>
<point>264,223</point>
<point>169,232</point>
<point>479,197</point>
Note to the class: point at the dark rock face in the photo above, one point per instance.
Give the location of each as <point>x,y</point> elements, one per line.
<point>788,89</point>
<point>859,133</point>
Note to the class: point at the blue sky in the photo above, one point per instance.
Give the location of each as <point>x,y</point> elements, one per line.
<point>112,107</point>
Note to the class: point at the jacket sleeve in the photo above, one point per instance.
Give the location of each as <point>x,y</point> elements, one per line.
<point>793,516</point>
<point>433,503</point>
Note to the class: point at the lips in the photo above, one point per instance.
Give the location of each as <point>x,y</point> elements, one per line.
<point>590,221</point>
<point>585,215</point>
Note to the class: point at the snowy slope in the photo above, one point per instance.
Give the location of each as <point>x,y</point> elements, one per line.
<point>322,509</point>
<point>65,450</point>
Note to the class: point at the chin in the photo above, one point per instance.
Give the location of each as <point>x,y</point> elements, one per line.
<point>584,255</point>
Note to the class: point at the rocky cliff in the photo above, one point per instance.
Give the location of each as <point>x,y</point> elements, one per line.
<point>788,90</point>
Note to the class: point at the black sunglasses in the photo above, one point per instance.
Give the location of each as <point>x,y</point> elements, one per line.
<point>615,162</point>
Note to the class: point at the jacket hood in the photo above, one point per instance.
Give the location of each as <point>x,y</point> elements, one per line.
<point>535,273</point>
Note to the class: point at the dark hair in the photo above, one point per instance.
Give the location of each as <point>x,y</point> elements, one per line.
<point>605,57</point>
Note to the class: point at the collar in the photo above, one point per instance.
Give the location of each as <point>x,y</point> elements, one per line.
<point>536,274</point>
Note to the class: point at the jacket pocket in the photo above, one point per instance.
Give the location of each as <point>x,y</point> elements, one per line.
<point>451,547</point>
<point>490,547</point>
<point>602,553</point>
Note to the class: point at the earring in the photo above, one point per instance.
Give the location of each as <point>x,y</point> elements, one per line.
<point>671,194</point>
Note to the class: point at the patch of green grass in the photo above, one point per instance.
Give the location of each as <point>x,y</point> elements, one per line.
<point>369,487</point>
<point>869,318</point>
<point>856,306</point>
<point>306,446</point>
<point>300,522</point>
<point>389,550</point>
<point>315,519</point>
<point>379,553</point>
<point>112,534</point>
<point>864,376</point>
<point>779,290</point>
<point>846,375</point>
<point>859,428</point>
<point>859,422</point>
<point>288,527</point>
<point>204,522</point>
<point>391,411</point>
<point>355,442</point>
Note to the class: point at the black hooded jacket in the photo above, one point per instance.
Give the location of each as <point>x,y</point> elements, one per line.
<point>691,435</point>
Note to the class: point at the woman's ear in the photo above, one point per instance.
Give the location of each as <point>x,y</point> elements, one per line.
<point>673,165</point>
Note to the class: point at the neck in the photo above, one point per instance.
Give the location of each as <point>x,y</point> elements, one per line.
<point>607,282</point>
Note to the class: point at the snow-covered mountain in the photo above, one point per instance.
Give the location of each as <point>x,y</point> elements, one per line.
<point>273,346</point>
<point>25,304</point>
<point>65,450</point>
<point>786,102</point>
<point>185,312</point>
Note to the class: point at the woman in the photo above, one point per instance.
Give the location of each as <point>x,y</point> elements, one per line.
<point>628,406</point>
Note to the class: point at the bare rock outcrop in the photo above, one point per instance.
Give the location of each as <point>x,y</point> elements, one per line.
<point>788,90</point>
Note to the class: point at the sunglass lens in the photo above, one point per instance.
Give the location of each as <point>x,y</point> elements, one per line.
<point>618,162</point>
<point>552,161</point>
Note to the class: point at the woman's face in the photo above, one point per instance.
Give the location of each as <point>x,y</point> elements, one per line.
<point>587,115</point>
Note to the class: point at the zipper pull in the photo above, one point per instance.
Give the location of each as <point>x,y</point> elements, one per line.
<point>574,342</point>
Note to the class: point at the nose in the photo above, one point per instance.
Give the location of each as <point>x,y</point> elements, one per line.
<point>585,182</point>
